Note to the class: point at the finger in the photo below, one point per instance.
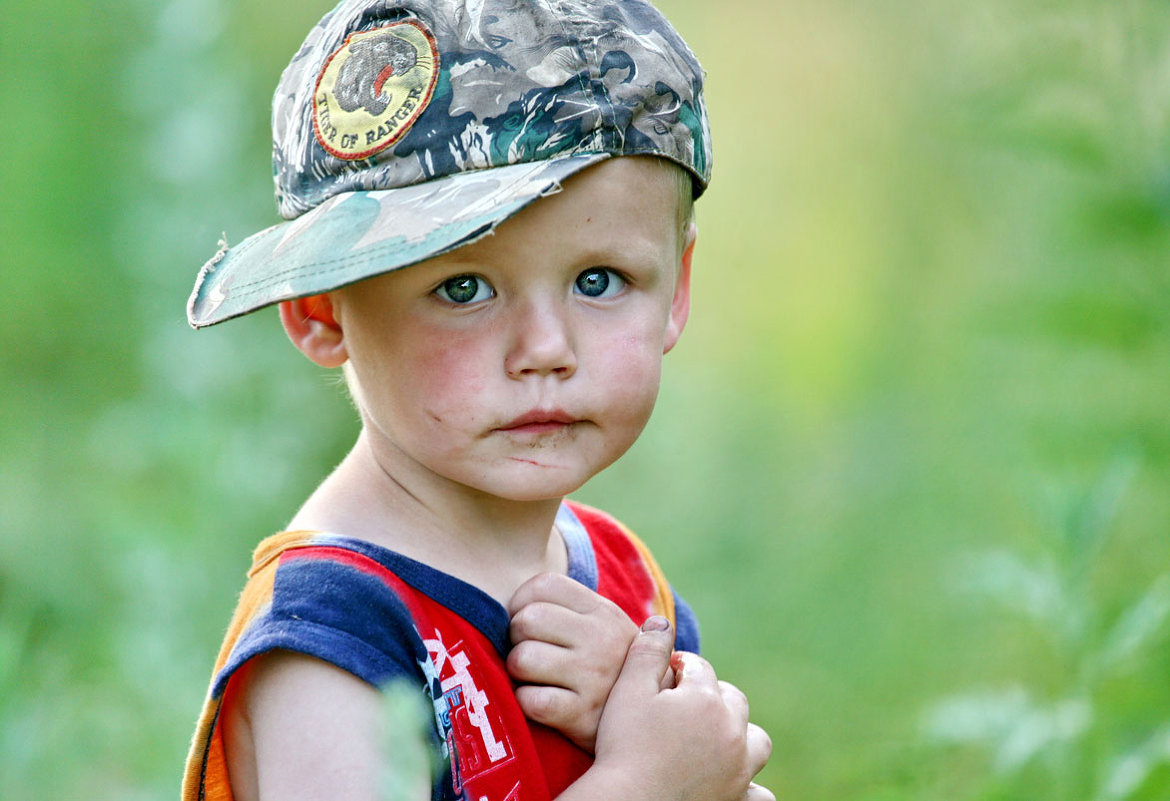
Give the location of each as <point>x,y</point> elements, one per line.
<point>541,620</point>
<point>539,662</point>
<point>692,668</point>
<point>668,679</point>
<point>756,792</point>
<point>554,588</point>
<point>735,701</point>
<point>759,747</point>
<point>647,660</point>
<point>552,706</point>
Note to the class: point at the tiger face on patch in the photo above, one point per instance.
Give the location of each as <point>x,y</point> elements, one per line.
<point>373,88</point>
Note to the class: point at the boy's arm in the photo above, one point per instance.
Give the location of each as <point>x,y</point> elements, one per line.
<point>300,728</point>
<point>569,644</point>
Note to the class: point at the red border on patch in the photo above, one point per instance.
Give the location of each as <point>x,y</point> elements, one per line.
<point>407,124</point>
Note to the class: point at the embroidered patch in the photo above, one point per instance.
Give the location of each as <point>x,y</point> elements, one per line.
<point>373,88</point>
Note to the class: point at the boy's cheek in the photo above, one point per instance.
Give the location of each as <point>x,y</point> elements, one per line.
<point>450,375</point>
<point>637,353</point>
<point>439,358</point>
<point>631,373</point>
<point>451,368</point>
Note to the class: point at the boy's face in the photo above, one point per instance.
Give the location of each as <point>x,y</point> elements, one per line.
<point>523,364</point>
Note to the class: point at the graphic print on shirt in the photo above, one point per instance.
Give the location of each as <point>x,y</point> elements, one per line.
<point>472,730</point>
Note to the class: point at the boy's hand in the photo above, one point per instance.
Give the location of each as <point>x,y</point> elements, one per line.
<point>569,644</point>
<point>692,741</point>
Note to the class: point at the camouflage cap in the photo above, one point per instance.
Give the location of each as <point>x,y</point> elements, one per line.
<point>403,129</point>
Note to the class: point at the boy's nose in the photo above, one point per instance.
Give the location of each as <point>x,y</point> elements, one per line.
<point>542,344</point>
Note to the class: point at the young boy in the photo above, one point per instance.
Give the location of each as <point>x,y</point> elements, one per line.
<point>489,206</point>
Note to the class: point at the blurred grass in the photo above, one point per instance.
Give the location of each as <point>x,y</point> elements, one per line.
<point>931,311</point>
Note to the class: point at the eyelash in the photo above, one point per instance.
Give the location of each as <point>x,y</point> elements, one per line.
<point>482,290</point>
<point>611,275</point>
<point>444,289</point>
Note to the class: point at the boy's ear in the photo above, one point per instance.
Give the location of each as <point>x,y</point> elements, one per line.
<point>312,327</point>
<point>680,307</point>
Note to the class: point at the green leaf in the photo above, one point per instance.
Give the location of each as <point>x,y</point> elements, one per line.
<point>1129,771</point>
<point>1089,521</point>
<point>1137,625</point>
<point>1008,723</point>
<point>1007,579</point>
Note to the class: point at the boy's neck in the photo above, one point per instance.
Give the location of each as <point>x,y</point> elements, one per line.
<point>492,543</point>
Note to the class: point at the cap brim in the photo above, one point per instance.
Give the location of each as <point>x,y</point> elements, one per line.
<point>357,235</point>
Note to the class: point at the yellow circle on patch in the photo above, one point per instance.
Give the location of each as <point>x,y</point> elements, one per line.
<point>373,87</point>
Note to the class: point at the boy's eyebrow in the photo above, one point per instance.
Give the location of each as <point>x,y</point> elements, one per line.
<point>636,251</point>
<point>594,251</point>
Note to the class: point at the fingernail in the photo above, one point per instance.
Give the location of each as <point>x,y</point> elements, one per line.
<point>656,623</point>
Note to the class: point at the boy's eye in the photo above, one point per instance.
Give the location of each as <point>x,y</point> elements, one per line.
<point>599,282</point>
<point>464,289</point>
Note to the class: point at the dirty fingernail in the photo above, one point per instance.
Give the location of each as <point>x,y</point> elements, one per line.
<point>656,623</point>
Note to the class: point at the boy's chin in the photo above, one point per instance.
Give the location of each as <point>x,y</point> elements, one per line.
<point>538,492</point>
<point>534,483</point>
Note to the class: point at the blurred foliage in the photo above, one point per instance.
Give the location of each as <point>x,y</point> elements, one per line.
<point>930,325</point>
<point>1058,741</point>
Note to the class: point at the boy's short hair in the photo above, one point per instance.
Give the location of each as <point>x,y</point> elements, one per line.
<point>686,198</point>
<point>404,129</point>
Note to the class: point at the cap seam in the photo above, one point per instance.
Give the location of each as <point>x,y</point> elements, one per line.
<point>606,112</point>
<point>585,88</point>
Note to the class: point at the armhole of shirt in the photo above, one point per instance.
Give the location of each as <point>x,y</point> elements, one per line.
<point>686,636</point>
<point>339,611</point>
<point>582,563</point>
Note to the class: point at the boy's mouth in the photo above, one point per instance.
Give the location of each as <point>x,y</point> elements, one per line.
<point>539,421</point>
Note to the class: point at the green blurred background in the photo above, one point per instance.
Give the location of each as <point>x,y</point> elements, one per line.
<point>911,460</point>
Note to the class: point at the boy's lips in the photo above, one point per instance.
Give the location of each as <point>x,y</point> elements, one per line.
<point>539,421</point>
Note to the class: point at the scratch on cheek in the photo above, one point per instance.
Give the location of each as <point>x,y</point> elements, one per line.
<point>535,463</point>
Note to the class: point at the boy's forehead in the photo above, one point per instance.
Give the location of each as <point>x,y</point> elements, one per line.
<point>626,206</point>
